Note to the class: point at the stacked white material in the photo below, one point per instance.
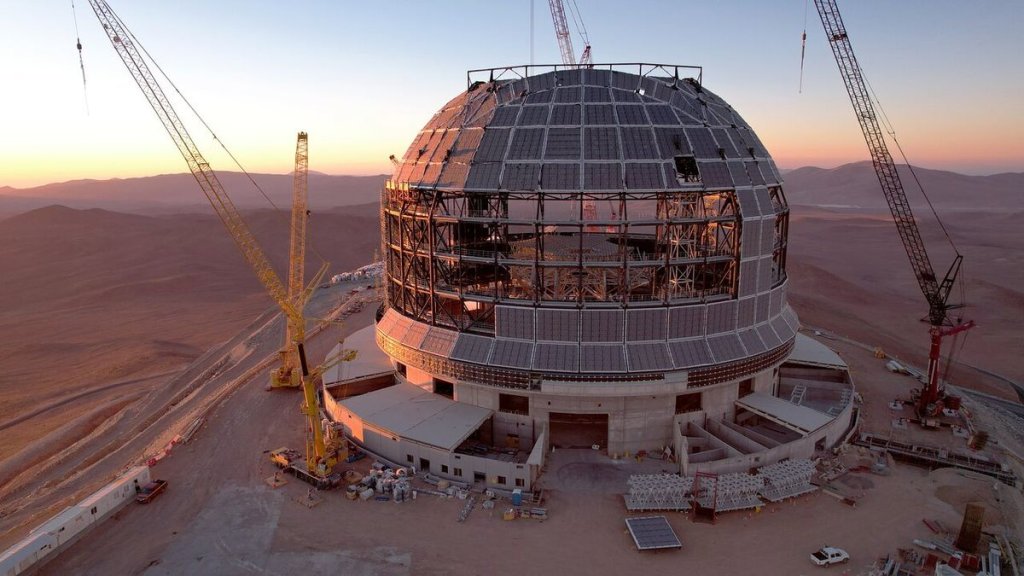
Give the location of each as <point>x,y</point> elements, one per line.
<point>365,272</point>
<point>738,492</point>
<point>658,492</point>
<point>786,479</point>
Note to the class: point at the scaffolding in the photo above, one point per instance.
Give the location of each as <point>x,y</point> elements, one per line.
<point>648,492</point>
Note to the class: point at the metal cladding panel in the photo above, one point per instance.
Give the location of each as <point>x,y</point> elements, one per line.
<point>470,348</point>
<point>539,95</point>
<point>623,82</point>
<point>725,143</point>
<point>761,310</point>
<point>439,341</point>
<point>512,354</point>
<point>402,325</point>
<point>770,172</point>
<point>662,114</point>
<point>387,322</point>
<point>601,143</point>
<point>748,204</point>
<point>739,173</point>
<point>750,237</point>
<point>453,175</point>
<point>464,149</point>
<point>726,347</point>
<point>414,336</point>
<point>764,276</point>
<point>690,353</point>
<point>602,326</point>
<point>755,173</point>
<point>714,175</point>
<point>688,322</point>
<point>527,144</point>
<point>566,115</point>
<point>600,114</point>
<point>748,278</point>
<point>560,177</point>
<point>687,104</point>
<point>556,357</point>
<point>514,322</point>
<point>745,310</point>
<point>597,77</point>
<point>791,319</point>
<point>483,176</point>
<point>672,142</point>
<point>767,236</point>
<point>533,116</point>
<point>492,145</point>
<point>558,325</point>
<point>563,144</point>
<point>721,317</point>
<point>649,357</point>
<point>782,329</point>
<point>638,144</point>
<point>646,324</point>
<point>602,176</point>
<point>520,177</point>
<point>752,342</point>
<point>703,144</point>
<point>764,200</point>
<point>568,94</point>
<point>597,93</point>
<point>778,297</point>
<point>505,116</point>
<point>645,176</point>
<point>631,115</point>
<point>625,95</point>
<point>671,176</point>
<point>768,335</point>
<point>602,358</point>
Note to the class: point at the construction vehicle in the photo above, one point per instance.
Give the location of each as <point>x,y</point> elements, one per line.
<point>150,490</point>
<point>286,375</point>
<point>124,44</point>
<point>930,400</point>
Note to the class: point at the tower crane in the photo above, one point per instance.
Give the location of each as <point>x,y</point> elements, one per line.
<point>935,291</point>
<point>287,374</point>
<point>124,44</point>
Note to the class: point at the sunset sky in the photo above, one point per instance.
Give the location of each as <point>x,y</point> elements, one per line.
<point>363,77</point>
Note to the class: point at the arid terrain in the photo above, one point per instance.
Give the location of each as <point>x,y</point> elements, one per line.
<point>103,308</point>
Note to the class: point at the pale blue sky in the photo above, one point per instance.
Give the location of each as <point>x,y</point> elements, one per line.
<point>363,78</point>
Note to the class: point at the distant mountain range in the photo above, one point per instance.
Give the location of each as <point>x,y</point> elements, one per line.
<point>175,193</point>
<point>848,187</point>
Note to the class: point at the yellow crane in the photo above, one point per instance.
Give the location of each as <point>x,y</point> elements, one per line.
<point>287,374</point>
<point>124,44</point>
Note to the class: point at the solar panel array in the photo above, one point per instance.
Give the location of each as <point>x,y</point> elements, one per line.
<point>652,533</point>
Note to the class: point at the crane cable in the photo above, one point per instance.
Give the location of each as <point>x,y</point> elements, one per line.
<point>208,128</point>
<point>803,50</point>
<point>577,20</point>
<point>81,62</point>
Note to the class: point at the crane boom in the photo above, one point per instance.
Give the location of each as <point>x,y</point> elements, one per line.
<point>935,292</point>
<point>207,179</point>
<point>562,32</point>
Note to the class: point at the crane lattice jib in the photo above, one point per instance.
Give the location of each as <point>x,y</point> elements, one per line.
<point>883,163</point>
<point>297,267</point>
<point>204,175</point>
<point>562,32</point>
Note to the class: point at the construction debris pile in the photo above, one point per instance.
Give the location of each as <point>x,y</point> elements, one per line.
<point>367,272</point>
<point>383,483</point>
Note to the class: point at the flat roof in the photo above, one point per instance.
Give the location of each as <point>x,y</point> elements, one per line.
<point>809,351</point>
<point>419,415</point>
<point>800,419</point>
<point>369,361</point>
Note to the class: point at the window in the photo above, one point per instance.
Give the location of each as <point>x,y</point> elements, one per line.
<point>479,477</point>
<point>502,480</point>
<point>444,468</point>
<point>746,387</point>
<point>93,510</point>
<point>520,483</point>
<point>401,368</point>
<point>408,458</point>
<point>458,472</point>
<point>513,404</point>
<point>444,388</point>
<point>688,403</point>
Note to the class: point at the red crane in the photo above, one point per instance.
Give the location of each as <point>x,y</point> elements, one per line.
<point>936,292</point>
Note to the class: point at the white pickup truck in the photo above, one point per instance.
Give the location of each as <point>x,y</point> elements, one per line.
<point>829,555</point>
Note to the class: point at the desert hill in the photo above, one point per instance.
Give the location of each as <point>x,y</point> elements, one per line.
<point>168,193</point>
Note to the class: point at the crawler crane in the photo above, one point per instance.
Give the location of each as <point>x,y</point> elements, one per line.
<point>930,400</point>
